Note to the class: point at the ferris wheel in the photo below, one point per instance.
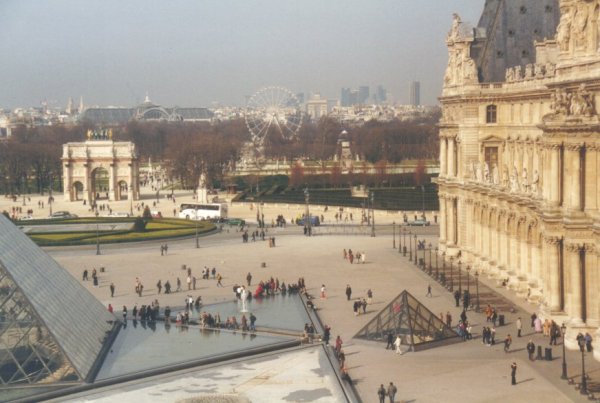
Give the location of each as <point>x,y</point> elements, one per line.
<point>273,109</point>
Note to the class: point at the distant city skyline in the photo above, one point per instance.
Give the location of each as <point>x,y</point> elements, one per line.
<point>195,53</point>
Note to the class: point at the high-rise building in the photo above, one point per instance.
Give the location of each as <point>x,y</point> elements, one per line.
<point>415,93</point>
<point>363,94</point>
<point>345,97</point>
<point>380,95</point>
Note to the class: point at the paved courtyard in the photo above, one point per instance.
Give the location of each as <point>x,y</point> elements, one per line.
<point>461,372</point>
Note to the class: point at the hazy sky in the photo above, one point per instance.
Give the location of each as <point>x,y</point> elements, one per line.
<point>195,52</point>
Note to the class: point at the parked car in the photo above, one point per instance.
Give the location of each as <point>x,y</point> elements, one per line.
<point>62,214</point>
<point>420,222</point>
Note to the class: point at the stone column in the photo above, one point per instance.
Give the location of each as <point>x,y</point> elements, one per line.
<point>451,224</point>
<point>553,180</point>
<point>591,177</point>
<point>573,283</point>
<point>443,218</point>
<point>443,156</point>
<point>451,169</point>
<point>573,173</point>
<point>551,257</point>
<point>111,181</point>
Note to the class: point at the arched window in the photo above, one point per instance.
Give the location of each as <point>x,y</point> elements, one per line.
<point>490,114</point>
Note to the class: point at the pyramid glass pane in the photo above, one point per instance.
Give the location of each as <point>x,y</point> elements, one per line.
<point>146,346</point>
<point>29,355</point>
<point>407,317</point>
<point>280,312</point>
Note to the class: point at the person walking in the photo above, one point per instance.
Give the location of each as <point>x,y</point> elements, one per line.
<point>124,313</point>
<point>219,278</point>
<point>249,279</point>
<point>429,291</point>
<point>348,292</point>
<point>112,290</point>
<point>391,392</point>
<point>159,286</point>
<point>530,350</point>
<point>507,343</point>
<point>390,341</point>
<point>381,393</point>
<point>323,296</point>
<point>519,326</point>
<point>369,296</point>
<point>448,319</point>
<point>457,298</point>
<point>513,373</point>
<point>397,344</point>
<point>178,285</point>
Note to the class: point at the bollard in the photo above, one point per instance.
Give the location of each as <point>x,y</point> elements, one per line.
<point>539,353</point>
<point>548,351</point>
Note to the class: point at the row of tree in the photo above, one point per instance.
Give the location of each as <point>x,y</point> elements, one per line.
<point>30,159</point>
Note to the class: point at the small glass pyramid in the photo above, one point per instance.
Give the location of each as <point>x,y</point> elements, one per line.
<point>412,321</point>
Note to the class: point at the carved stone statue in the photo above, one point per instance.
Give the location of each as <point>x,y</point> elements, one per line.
<point>525,181</point>
<point>472,171</point>
<point>514,180</point>
<point>563,31</point>
<point>580,23</point>
<point>479,172</point>
<point>538,70</point>
<point>495,175</point>
<point>470,72</point>
<point>582,103</point>
<point>486,172</point>
<point>528,71</point>
<point>535,182</point>
<point>509,75</point>
<point>505,177</point>
<point>550,69</point>
<point>454,33</point>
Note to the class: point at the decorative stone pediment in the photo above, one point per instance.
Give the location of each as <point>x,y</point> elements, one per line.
<point>572,106</point>
<point>461,69</point>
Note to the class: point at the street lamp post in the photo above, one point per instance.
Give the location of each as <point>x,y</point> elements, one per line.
<point>451,275</point>
<point>477,308</point>
<point>197,244</point>
<point>372,213</point>
<point>444,267</point>
<point>430,267</point>
<point>459,277</point>
<point>97,239</point>
<point>394,235</point>
<point>410,245</point>
<point>404,246</point>
<point>50,198</point>
<point>468,280</point>
<point>416,250</point>
<point>583,390</point>
<point>424,260</point>
<point>563,329</point>
<point>437,269</point>
<point>307,219</point>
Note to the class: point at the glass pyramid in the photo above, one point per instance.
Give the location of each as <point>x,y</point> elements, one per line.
<point>417,326</point>
<point>29,354</point>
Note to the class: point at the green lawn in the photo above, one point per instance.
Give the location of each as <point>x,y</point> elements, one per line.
<point>155,229</point>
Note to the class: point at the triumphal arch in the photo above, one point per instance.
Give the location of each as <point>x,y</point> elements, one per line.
<point>100,169</point>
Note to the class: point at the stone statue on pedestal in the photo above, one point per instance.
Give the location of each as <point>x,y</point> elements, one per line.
<point>495,175</point>
<point>535,182</point>
<point>525,181</point>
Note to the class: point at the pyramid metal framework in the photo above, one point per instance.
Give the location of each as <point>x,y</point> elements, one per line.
<point>417,326</point>
<point>52,330</point>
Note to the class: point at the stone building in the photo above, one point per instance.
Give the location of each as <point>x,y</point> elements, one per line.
<point>100,168</point>
<point>520,157</point>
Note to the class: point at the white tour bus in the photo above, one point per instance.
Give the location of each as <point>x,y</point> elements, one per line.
<point>209,211</point>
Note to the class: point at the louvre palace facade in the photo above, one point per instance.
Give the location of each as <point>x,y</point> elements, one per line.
<point>520,154</point>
